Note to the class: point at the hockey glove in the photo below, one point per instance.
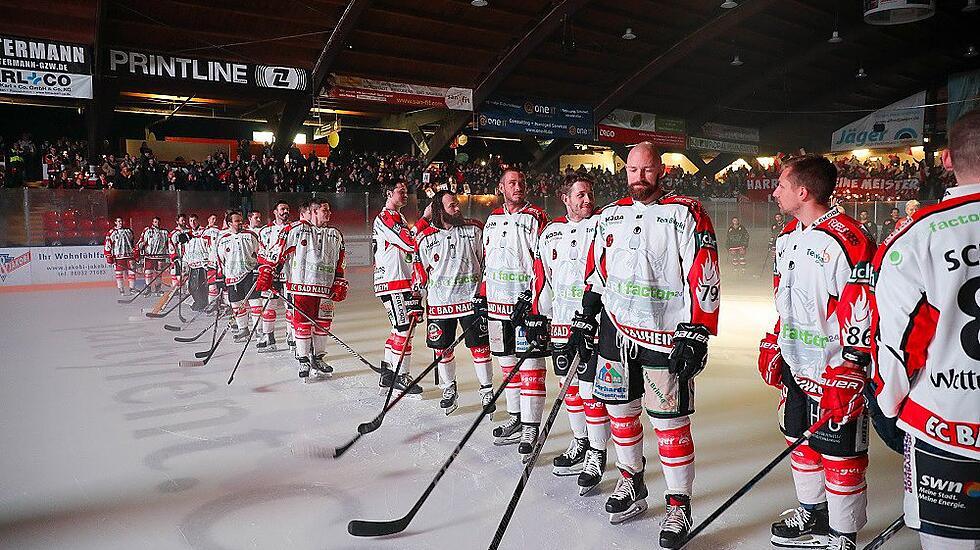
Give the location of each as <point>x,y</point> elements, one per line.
<point>562,358</point>
<point>842,388</point>
<point>183,238</point>
<point>413,306</point>
<point>110,259</point>
<point>522,309</point>
<point>480,306</point>
<point>690,352</point>
<point>536,330</point>
<point>338,291</point>
<point>219,281</point>
<point>264,282</point>
<point>771,361</point>
<point>581,337</point>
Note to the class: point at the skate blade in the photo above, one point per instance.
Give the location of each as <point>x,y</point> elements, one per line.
<point>806,541</point>
<point>504,441</point>
<point>267,349</point>
<point>449,410</point>
<point>573,470</point>
<point>636,509</point>
<point>586,491</point>
<point>190,363</point>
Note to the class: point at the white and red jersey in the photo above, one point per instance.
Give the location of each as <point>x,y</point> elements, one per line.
<point>211,234</point>
<point>269,235</point>
<point>656,266</point>
<point>394,247</point>
<point>153,243</point>
<point>449,267</point>
<point>119,244</point>
<point>197,251</point>
<point>509,244</point>
<point>926,324</point>
<point>559,272</point>
<point>312,258</point>
<point>821,278</point>
<point>176,247</point>
<point>235,255</point>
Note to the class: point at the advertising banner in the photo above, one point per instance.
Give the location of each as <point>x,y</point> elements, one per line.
<point>398,93</point>
<point>139,64</point>
<point>30,66</point>
<point>537,118</point>
<point>964,95</point>
<point>725,132</point>
<point>760,189</point>
<point>53,264</point>
<point>897,125</point>
<point>706,144</point>
<point>622,126</point>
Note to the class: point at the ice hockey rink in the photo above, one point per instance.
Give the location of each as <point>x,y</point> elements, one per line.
<point>108,444</point>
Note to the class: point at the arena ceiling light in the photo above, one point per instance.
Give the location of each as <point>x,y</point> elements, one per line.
<point>861,73</point>
<point>729,4</point>
<point>736,61</point>
<point>971,5</point>
<point>971,51</point>
<point>835,38</point>
<point>628,35</point>
<point>479,3</point>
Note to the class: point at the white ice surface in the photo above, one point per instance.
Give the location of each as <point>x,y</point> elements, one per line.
<point>107,444</point>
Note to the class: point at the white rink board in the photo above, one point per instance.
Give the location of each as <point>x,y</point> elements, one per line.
<point>53,264</point>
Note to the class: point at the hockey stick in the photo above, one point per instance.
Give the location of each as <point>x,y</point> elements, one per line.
<point>367,528</point>
<point>162,302</point>
<point>162,314</point>
<point>206,355</point>
<point>398,366</point>
<point>755,479</point>
<point>144,289</point>
<point>251,331</point>
<point>888,533</point>
<point>375,423</point>
<point>529,466</point>
<point>343,344</point>
<point>194,338</point>
<point>175,328</point>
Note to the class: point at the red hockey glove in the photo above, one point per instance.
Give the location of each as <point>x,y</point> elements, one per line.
<point>110,259</point>
<point>338,291</point>
<point>842,388</point>
<point>771,361</point>
<point>264,281</point>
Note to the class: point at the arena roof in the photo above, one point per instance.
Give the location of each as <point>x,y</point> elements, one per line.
<point>679,64</point>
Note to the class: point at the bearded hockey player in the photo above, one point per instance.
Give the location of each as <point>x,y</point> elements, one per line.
<point>818,356</point>
<point>152,245</point>
<point>176,243</point>
<point>559,268</point>
<point>120,252</point>
<point>268,236</point>
<point>510,239</point>
<point>310,254</point>
<point>449,268</point>
<point>196,258</point>
<point>652,272</point>
<point>394,248</point>
<point>926,348</point>
<point>235,257</point>
<point>211,234</point>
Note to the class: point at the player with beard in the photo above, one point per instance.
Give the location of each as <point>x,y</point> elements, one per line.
<point>510,241</point>
<point>235,257</point>
<point>196,256</point>
<point>268,236</point>
<point>120,252</point>
<point>559,268</point>
<point>152,245</point>
<point>211,234</point>
<point>176,243</point>
<point>652,274</point>
<point>448,269</point>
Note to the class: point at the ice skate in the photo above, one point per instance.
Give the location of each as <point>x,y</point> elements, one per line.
<point>320,368</point>
<point>595,465</point>
<point>572,461</point>
<point>304,367</point>
<point>241,335</point>
<point>267,343</point>
<point>486,398</point>
<point>450,399</point>
<point>677,521</point>
<point>629,498</point>
<point>509,432</point>
<point>841,542</point>
<point>403,383</point>
<point>802,528</point>
<point>529,438</point>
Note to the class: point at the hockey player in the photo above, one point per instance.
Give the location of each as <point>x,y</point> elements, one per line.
<point>120,252</point>
<point>510,239</point>
<point>559,268</point>
<point>449,268</point>
<point>211,234</point>
<point>653,273</point>
<point>394,247</point>
<point>738,244</point>
<point>152,245</point>
<point>926,326</point>
<point>235,257</point>
<point>176,243</point>
<point>196,257</point>
<point>311,256</point>
<point>818,356</point>
<point>255,221</point>
<point>268,236</point>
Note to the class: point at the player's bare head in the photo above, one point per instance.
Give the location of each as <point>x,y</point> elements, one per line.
<point>804,179</point>
<point>912,207</point>
<point>643,172</point>
<point>445,210</point>
<point>863,215</point>
<point>192,220</point>
<point>576,194</point>
<point>212,220</point>
<point>963,154</point>
<point>396,195</point>
<point>281,211</point>
<point>234,219</point>
<point>118,221</point>
<point>317,212</point>
<point>735,221</point>
<point>155,222</point>
<point>513,187</point>
<point>181,219</point>
<point>254,218</point>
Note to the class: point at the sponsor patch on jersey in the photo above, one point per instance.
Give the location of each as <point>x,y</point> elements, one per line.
<point>435,257</point>
<point>609,240</point>
<point>303,242</point>
<point>434,332</point>
<point>554,253</point>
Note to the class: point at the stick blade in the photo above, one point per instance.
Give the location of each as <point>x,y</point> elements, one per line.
<point>368,427</point>
<point>202,354</point>
<point>153,315</point>
<point>172,328</point>
<point>190,363</point>
<point>185,339</point>
<point>365,528</point>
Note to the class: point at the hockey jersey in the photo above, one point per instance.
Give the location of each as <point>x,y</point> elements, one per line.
<point>269,235</point>
<point>175,246</point>
<point>559,271</point>
<point>449,267</point>
<point>655,266</point>
<point>394,247</point>
<point>312,258</point>
<point>153,243</point>
<point>509,244</point>
<point>197,251</point>
<point>926,324</point>
<point>119,244</point>
<point>821,279</point>
<point>211,234</point>
<point>235,255</point>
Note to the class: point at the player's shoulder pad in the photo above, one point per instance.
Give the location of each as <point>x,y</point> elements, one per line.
<point>693,205</point>
<point>537,213</point>
<point>916,223</point>
<point>625,201</point>
<point>789,227</point>
<point>847,232</point>
<point>558,220</point>
<point>498,211</point>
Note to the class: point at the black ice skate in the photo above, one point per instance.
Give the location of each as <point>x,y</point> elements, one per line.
<point>241,335</point>
<point>304,367</point>
<point>629,498</point>
<point>842,542</point>
<point>677,521</point>
<point>486,397</point>
<point>595,465</point>
<point>572,461</point>
<point>320,367</point>
<point>267,343</point>
<point>802,528</point>
<point>402,383</point>
<point>529,438</point>
<point>509,432</point>
<point>387,378</point>
<point>450,399</point>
